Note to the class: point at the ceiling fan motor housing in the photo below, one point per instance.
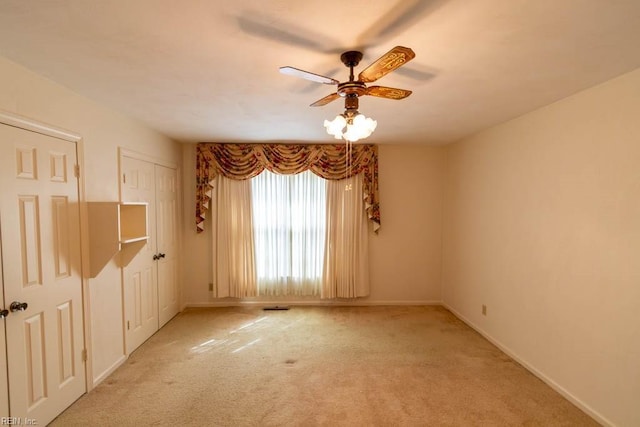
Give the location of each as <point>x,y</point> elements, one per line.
<point>356,88</point>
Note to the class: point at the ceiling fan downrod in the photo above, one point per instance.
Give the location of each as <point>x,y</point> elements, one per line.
<point>351,59</point>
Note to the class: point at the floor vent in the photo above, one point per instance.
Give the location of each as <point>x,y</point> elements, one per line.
<point>275,307</point>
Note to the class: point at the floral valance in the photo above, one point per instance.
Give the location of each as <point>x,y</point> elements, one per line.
<point>244,161</point>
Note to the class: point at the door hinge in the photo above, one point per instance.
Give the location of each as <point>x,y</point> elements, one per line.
<point>124,178</point>
<point>84,355</point>
<point>128,325</point>
<point>76,171</point>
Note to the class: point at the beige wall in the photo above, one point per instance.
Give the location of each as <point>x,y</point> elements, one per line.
<point>542,225</point>
<point>103,131</point>
<point>405,256</point>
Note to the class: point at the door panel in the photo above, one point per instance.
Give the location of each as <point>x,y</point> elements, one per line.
<point>39,213</point>
<point>167,241</point>
<point>140,275</point>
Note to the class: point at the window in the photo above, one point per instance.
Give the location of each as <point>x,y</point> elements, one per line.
<point>289,226</point>
<point>287,233</point>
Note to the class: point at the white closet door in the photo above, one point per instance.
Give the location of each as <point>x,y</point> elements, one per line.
<point>4,381</point>
<point>167,242</point>
<point>39,216</point>
<point>140,272</point>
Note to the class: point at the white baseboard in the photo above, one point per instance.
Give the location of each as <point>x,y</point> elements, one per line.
<point>550,382</point>
<point>327,303</point>
<point>97,380</point>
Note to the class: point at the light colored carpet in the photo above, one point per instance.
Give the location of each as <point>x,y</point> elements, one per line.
<point>350,366</point>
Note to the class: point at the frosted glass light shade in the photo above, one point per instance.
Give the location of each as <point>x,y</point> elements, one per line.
<point>353,129</point>
<point>336,126</point>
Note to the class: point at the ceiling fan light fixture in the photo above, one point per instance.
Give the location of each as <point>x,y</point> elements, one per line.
<point>350,128</point>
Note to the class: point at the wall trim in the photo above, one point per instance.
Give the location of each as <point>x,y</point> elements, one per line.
<point>26,123</point>
<point>550,382</point>
<point>126,152</point>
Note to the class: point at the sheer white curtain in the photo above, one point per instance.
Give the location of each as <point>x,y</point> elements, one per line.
<point>346,260</point>
<point>277,235</point>
<point>289,231</point>
<point>233,251</point>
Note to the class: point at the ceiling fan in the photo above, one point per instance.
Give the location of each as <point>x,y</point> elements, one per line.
<point>352,89</point>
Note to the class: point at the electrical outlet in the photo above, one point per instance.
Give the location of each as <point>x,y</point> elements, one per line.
<point>484,310</point>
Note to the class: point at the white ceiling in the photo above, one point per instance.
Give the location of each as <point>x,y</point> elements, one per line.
<point>206,70</point>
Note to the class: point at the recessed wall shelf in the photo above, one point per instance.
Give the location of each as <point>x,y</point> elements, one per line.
<point>111,225</point>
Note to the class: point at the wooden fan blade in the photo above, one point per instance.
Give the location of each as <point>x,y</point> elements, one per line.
<point>388,92</point>
<point>324,101</point>
<point>396,57</point>
<point>295,72</point>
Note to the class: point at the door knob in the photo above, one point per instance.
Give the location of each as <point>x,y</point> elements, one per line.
<point>161,255</point>
<point>4,313</point>
<point>18,306</point>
